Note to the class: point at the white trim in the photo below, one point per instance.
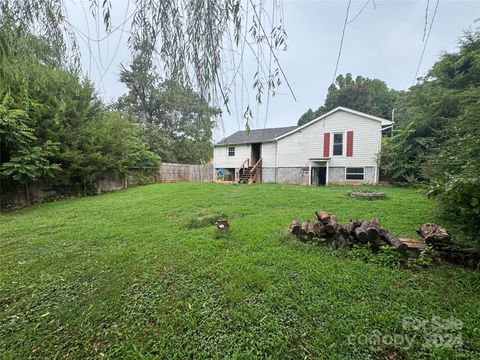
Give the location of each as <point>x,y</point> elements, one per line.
<point>326,174</point>
<point>339,108</point>
<point>313,160</point>
<point>346,167</point>
<point>332,142</point>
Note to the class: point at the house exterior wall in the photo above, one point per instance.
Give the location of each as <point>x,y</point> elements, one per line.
<point>222,160</point>
<point>269,154</point>
<point>269,174</point>
<point>294,150</point>
<point>285,160</point>
<point>336,175</point>
<point>289,175</point>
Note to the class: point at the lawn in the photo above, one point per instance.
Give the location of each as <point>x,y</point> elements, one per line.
<point>135,274</point>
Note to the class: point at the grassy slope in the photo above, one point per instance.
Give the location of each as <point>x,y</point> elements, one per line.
<point>120,275</point>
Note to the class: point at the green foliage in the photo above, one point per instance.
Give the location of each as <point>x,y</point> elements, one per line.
<point>454,169</point>
<point>403,155</point>
<point>387,256</point>
<point>22,160</point>
<point>29,164</point>
<point>51,119</point>
<point>438,137</point>
<point>109,144</point>
<point>427,257</point>
<point>177,123</point>
<point>371,96</point>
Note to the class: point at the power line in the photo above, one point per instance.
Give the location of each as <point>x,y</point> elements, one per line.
<point>426,42</point>
<point>341,41</point>
<point>426,21</point>
<point>118,44</point>
<point>358,14</point>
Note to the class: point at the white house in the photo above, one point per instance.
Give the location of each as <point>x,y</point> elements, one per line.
<point>338,147</point>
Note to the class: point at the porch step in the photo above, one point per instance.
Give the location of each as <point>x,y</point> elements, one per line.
<point>245,177</point>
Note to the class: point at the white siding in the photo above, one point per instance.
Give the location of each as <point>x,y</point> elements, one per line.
<point>222,160</point>
<point>295,150</point>
<point>269,154</point>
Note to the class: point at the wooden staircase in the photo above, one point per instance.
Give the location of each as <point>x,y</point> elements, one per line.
<point>249,174</point>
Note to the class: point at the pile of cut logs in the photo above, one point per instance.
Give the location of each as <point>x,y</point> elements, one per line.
<point>355,231</point>
<point>439,239</point>
<point>327,230</point>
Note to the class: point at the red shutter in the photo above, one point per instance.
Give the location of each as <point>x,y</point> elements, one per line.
<point>349,143</point>
<point>326,144</point>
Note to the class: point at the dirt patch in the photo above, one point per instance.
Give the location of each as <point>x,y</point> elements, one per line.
<point>204,220</point>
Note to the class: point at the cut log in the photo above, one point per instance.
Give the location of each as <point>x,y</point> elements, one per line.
<point>296,227</point>
<point>352,225</point>
<point>331,226</point>
<point>393,241</point>
<point>343,236</point>
<point>435,236</point>
<point>322,216</point>
<point>310,229</point>
<point>319,229</point>
<point>373,230</point>
<point>360,232</point>
<point>341,240</point>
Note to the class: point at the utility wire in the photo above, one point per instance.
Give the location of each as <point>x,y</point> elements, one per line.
<point>426,21</point>
<point>358,14</point>
<point>426,42</point>
<point>341,41</point>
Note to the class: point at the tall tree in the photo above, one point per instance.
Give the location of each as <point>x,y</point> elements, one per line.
<point>438,137</point>
<point>177,123</point>
<point>53,124</point>
<point>371,96</point>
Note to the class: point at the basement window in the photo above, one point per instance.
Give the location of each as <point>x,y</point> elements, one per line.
<point>355,173</point>
<point>231,151</point>
<point>338,144</point>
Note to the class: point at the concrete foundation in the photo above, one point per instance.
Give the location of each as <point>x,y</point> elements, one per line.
<point>336,175</point>
<point>290,175</point>
<point>269,174</point>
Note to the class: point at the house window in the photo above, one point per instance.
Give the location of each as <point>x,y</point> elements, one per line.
<point>355,173</point>
<point>231,151</point>
<point>338,144</point>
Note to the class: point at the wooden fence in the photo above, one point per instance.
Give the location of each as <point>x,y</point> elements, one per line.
<point>168,172</point>
<point>14,194</point>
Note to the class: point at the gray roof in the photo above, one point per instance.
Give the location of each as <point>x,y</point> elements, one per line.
<point>255,136</point>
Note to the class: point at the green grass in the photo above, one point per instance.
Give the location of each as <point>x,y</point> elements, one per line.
<point>140,274</point>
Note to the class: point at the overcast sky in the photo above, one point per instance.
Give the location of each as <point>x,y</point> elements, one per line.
<point>383,42</point>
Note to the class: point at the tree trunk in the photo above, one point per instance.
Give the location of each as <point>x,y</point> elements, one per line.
<point>296,227</point>
<point>435,236</point>
<point>373,230</point>
<point>393,241</point>
<point>319,229</point>
<point>343,236</point>
<point>310,229</point>
<point>360,232</point>
<point>352,225</point>
<point>331,226</point>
